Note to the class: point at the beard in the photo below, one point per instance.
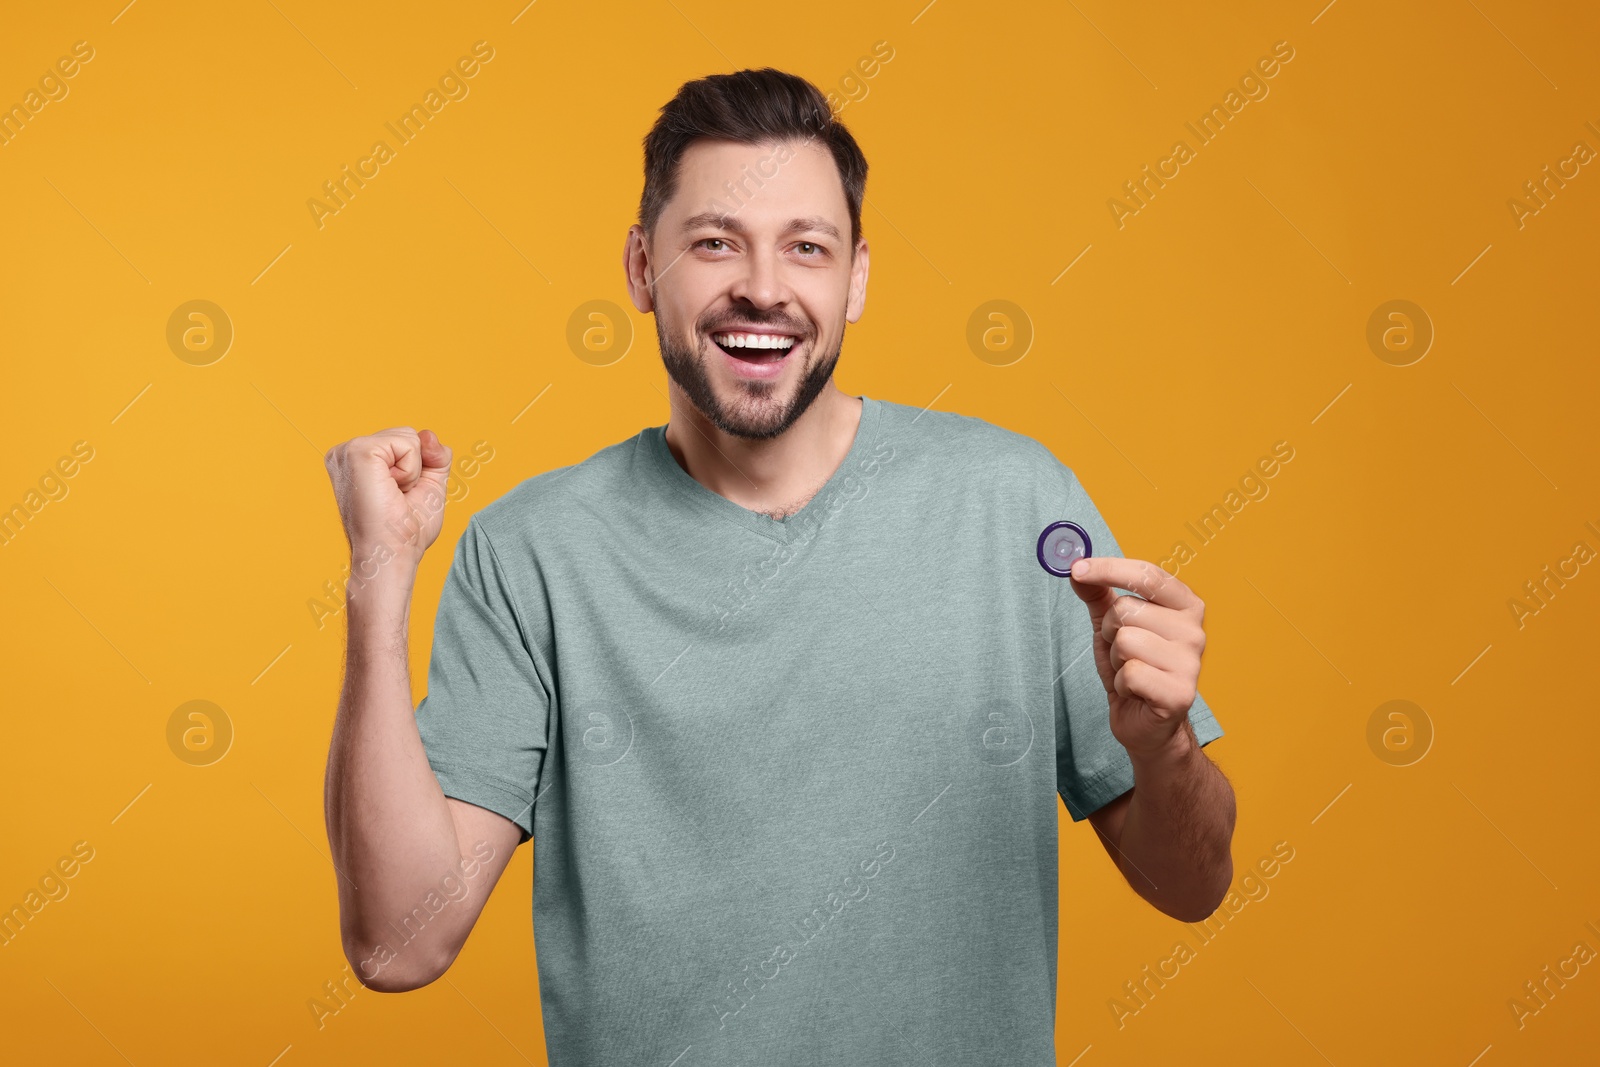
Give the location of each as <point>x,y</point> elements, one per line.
<point>755,412</point>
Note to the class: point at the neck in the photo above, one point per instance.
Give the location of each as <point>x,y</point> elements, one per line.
<point>776,476</point>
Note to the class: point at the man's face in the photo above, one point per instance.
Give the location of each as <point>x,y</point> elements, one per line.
<point>751,281</point>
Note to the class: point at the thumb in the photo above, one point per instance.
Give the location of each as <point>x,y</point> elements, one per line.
<point>435,456</point>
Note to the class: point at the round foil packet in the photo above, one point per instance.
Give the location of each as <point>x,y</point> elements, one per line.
<point>1062,544</point>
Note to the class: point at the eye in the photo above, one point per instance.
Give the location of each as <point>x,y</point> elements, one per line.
<point>708,241</point>
<point>810,244</point>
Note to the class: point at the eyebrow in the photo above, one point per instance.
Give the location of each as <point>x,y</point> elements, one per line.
<point>724,221</point>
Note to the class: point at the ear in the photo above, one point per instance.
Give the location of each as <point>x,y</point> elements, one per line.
<point>857,302</point>
<point>637,268</point>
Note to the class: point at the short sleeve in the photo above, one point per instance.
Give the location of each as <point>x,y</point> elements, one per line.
<point>1092,767</point>
<point>485,719</point>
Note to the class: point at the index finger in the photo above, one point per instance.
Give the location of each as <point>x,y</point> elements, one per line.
<point>1141,576</point>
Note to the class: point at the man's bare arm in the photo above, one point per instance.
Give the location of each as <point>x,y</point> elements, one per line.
<point>1170,835</point>
<point>400,845</point>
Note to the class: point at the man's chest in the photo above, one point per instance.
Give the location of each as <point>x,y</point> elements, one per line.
<point>864,658</point>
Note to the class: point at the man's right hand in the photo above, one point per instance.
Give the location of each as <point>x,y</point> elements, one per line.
<point>391,829</point>
<point>390,488</point>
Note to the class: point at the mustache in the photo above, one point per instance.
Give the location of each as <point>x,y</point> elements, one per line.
<point>756,321</point>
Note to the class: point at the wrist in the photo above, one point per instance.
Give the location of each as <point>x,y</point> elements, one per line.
<point>371,561</point>
<point>1177,751</point>
<point>378,611</point>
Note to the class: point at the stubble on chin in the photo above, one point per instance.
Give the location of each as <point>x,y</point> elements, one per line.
<point>757,412</point>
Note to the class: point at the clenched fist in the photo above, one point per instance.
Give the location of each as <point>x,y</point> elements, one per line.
<point>390,488</point>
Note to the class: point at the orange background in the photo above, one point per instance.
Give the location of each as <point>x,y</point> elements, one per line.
<point>1228,314</point>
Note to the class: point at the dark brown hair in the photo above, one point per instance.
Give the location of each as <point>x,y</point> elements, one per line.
<point>748,107</point>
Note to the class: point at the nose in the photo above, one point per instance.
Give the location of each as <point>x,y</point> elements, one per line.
<point>761,282</point>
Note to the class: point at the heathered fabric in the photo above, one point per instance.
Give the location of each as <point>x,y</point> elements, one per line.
<point>789,783</point>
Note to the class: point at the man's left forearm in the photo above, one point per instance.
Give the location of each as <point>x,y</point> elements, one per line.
<point>1178,829</point>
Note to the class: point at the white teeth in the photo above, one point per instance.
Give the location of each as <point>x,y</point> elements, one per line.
<point>753,340</point>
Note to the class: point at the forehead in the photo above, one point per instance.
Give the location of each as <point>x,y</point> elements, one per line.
<point>761,185</point>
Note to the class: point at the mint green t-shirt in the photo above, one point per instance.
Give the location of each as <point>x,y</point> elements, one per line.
<point>791,784</point>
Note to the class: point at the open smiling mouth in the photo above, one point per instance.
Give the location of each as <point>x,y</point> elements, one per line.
<point>755,347</point>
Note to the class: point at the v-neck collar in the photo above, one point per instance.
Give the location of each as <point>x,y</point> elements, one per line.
<point>781,530</point>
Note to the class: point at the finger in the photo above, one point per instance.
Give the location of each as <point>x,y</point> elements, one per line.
<point>1132,643</point>
<point>403,451</point>
<point>1099,598</point>
<point>1170,623</point>
<point>1155,687</point>
<point>1141,576</point>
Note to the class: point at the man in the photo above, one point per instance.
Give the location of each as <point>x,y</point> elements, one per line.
<point>774,688</point>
